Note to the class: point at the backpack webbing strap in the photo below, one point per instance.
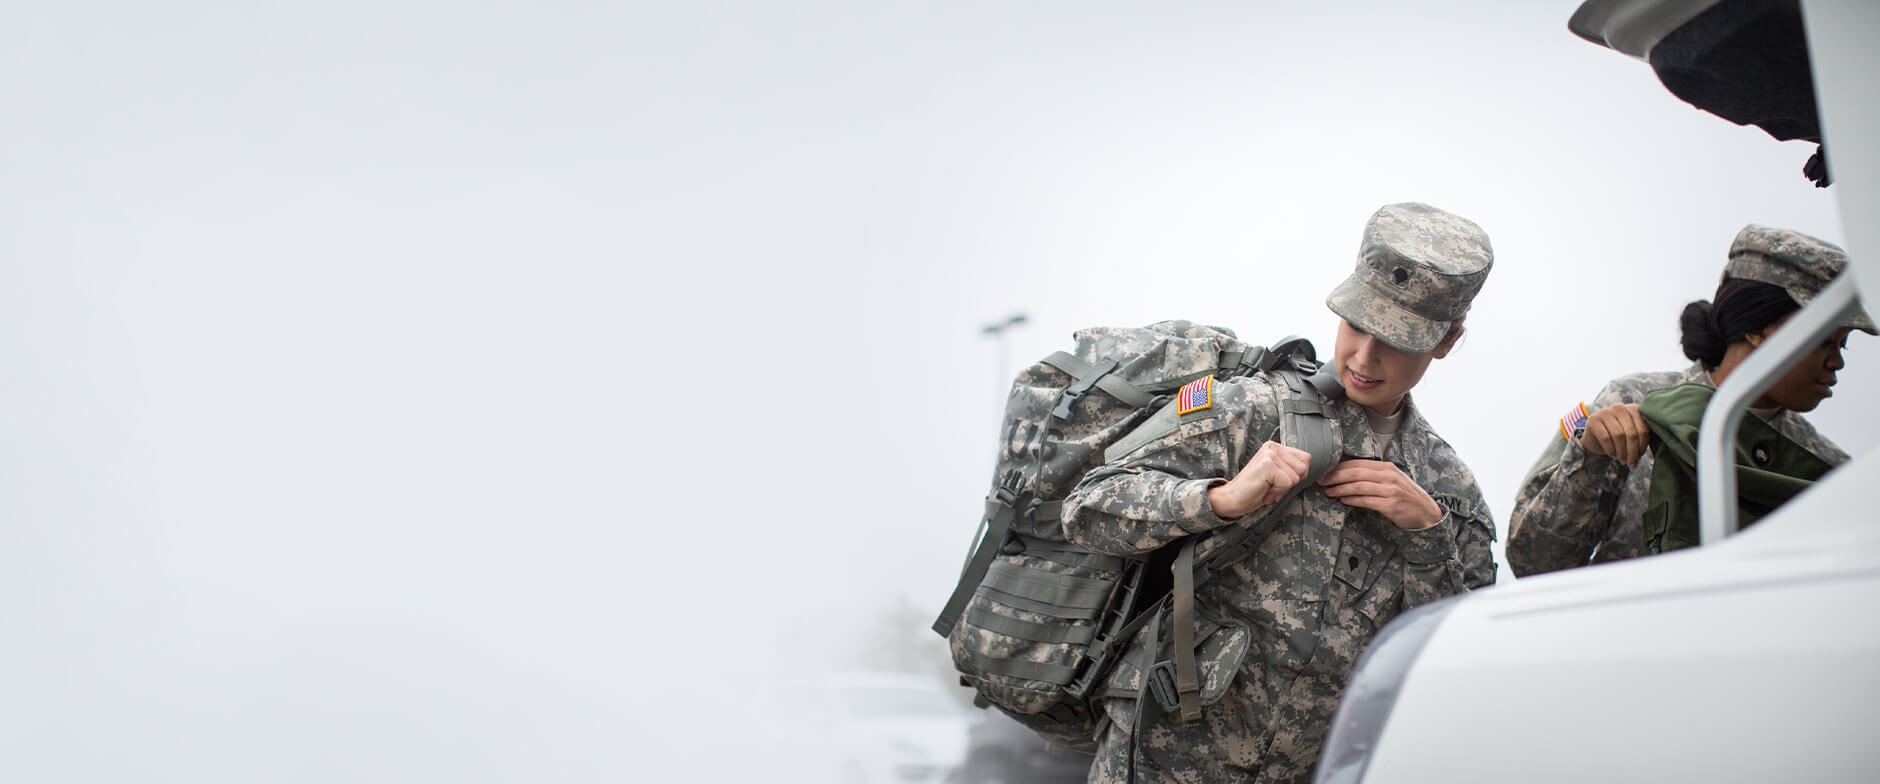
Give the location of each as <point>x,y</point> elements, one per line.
<point>1291,346</point>
<point>1143,700</point>
<point>1254,359</point>
<point>1187,681</point>
<point>1046,548</point>
<point>1232,361</point>
<point>1026,670</point>
<point>1326,382</point>
<point>1087,375</point>
<point>1060,611</point>
<point>1311,396</point>
<point>1065,597</point>
<point>1030,630</point>
<point>999,514</point>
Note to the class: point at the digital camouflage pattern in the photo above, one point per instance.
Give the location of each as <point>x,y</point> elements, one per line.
<point>1800,264</point>
<point>1313,594</point>
<point>1418,269</point>
<point>1576,508</point>
<point>1028,623</point>
<point>1152,356</point>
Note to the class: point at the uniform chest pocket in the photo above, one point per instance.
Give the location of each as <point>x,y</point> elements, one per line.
<point>1366,585</point>
<point>1360,560</point>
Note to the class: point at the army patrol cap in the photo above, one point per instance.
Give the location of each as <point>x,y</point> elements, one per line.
<point>1800,264</point>
<point>1418,269</point>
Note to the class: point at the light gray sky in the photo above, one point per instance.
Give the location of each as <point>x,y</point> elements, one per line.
<point>413,391</point>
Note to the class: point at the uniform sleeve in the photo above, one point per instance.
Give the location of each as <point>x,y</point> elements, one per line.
<point>1159,492</point>
<point>1452,556</point>
<point>1565,507</point>
<point>1803,432</point>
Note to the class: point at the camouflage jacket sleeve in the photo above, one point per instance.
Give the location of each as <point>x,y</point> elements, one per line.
<point>1798,428</point>
<point>1566,506</point>
<point>1452,556</point>
<point>1159,492</point>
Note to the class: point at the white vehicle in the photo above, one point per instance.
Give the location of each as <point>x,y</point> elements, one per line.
<point>1754,657</point>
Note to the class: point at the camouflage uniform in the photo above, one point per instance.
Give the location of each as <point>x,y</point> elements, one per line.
<point>1576,508</point>
<point>1326,578</point>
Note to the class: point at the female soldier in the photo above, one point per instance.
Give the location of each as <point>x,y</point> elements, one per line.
<point>1585,498</point>
<point>1397,523</point>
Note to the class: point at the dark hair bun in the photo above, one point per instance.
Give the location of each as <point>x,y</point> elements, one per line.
<point>1702,339</point>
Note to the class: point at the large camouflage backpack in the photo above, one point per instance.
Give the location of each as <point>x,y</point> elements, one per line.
<point>1036,623</point>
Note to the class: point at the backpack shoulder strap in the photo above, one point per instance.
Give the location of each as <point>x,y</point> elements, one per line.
<point>1163,422</point>
<point>1304,424</point>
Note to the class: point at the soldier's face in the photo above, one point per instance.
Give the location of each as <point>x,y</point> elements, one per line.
<point>1375,375</point>
<point>1812,378</point>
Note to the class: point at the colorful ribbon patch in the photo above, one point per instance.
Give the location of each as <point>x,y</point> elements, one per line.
<point>1574,421</point>
<point>1195,396</point>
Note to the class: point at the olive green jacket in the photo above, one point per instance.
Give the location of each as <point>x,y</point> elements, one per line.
<point>1770,467</point>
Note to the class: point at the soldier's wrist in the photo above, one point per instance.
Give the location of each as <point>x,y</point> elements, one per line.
<point>1432,517</point>
<point>1434,544</point>
<point>1577,461</point>
<point>1227,503</point>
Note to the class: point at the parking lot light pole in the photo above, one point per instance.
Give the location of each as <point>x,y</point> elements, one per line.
<point>997,331</point>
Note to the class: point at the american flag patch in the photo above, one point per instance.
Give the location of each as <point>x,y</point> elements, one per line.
<point>1195,396</point>
<point>1574,421</point>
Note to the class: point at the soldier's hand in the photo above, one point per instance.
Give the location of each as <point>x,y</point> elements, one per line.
<point>1617,432</point>
<point>1268,475</point>
<point>1382,487</point>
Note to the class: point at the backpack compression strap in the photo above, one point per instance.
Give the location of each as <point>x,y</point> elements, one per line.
<point>1001,508</point>
<point>1088,375</point>
<point>1002,505</point>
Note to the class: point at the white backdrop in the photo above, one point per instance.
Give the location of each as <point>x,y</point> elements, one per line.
<point>420,391</point>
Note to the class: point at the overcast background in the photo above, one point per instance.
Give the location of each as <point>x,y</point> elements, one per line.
<point>404,391</point>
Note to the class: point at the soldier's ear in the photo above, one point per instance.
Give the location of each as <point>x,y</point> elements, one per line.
<point>1449,341</point>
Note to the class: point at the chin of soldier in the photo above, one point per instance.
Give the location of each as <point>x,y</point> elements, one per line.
<point>1378,398</point>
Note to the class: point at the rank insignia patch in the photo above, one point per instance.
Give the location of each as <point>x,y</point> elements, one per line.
<point>1197,395</point>
<point>1574,421</point>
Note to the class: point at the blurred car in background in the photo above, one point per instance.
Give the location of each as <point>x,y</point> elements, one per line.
<point>868,728</point>
<point>999,750</point>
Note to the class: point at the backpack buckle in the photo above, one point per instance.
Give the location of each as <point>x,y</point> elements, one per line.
<point>1007,493</point>
<point>1076,391</point>
<point>1065,402</point>
<point>1253,360</point>
<point>1162,686</point>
